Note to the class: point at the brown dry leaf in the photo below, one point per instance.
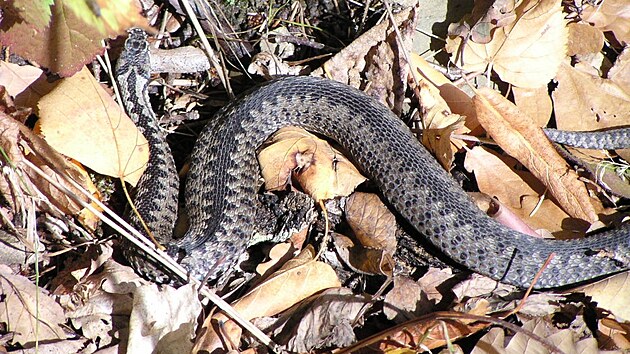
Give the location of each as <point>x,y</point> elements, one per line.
<point>535,103</point>
<point>361,259</point>
<point>520,191</point>
<point>619,74</point>
<point>585,102</point>
<point>80,120</point>
<point>429,331</point>
<point>322,321</point>
<point>374,61</point>
<point>438,123</point>
<point>458,101</point>
<point>610,15</point>
<point>611,294</point>
<point>324,173</point>
<point>27,310</point>
<point>584,39</point>
<point>619,333</point>
<point>409,299</point>
<point>485,17</point>
<point>566,340</point>
<point>298,279</point>
<point>371,221</point>
<point>525,53</point>
<point>523,140</point>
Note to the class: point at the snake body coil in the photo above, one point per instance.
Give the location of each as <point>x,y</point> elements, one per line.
<point>224,179</point>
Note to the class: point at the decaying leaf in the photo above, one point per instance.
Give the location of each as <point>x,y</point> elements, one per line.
<point>80,120</point>
<point>323,172</point>
<point>298,279</point>
<point>525,53</point>
<point>324,320</point>
<point>409,299</point>
<point>523,140</point>
<point>29,313</point>
<point>374,62</point>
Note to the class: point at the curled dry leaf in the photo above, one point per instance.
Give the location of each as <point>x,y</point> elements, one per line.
<point>363,259</point>
<point>298,279</point>
<point>525,53</point>
<point>28,311</point>
<point>522,139</point>
<point>80,119</point>
<point>323,172</point>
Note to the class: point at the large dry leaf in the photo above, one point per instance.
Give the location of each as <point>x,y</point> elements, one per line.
<point>611,294</point>
<point>28,311</point>
<point>535,103</point>
<point>525,53</point>
<point>80,120</point>
<point>374,62</point>
<point>526,142</point>
<point>585,102</point>
<point>323,172</point>
<point>520,191</point>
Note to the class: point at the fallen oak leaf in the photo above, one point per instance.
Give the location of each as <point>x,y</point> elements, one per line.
<point>522,139</point>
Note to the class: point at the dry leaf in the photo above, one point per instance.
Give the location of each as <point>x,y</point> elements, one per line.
<point>525,53</point>
<point>25,307</point>
<point>563,340</point>
<point>611,294</point>
<point>361,259</point>
<point>16,78</point>
<point>520,191</point>
<point>371,221</point>
<point>298,279</point>
<point>584,102</point>
<point>535,103</point>
<point>523,140</point>
<point>409,299</point>
<point>458,101</point>
<point>584,39</point>
<point>619,74</point>
<point>324,173</point>
<point>325,320</point>
<point>80,120</point>
<point>610,15</point>
<point>374,62</point>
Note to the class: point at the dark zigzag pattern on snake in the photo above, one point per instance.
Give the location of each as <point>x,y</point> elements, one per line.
<point>224,179</point>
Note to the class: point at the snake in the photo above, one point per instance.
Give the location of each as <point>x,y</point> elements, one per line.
<point>224,177</point>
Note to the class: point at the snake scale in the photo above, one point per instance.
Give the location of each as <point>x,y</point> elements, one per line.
<point>224,179</point>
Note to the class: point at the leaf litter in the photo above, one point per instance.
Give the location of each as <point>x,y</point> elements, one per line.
<point>306,303</point>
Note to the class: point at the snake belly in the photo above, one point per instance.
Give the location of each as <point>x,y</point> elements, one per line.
<point>225,177</point>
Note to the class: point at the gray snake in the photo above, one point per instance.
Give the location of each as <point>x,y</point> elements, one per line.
<point>224,179</point>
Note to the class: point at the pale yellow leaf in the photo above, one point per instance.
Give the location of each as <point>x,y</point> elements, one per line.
<point>80,120</point>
